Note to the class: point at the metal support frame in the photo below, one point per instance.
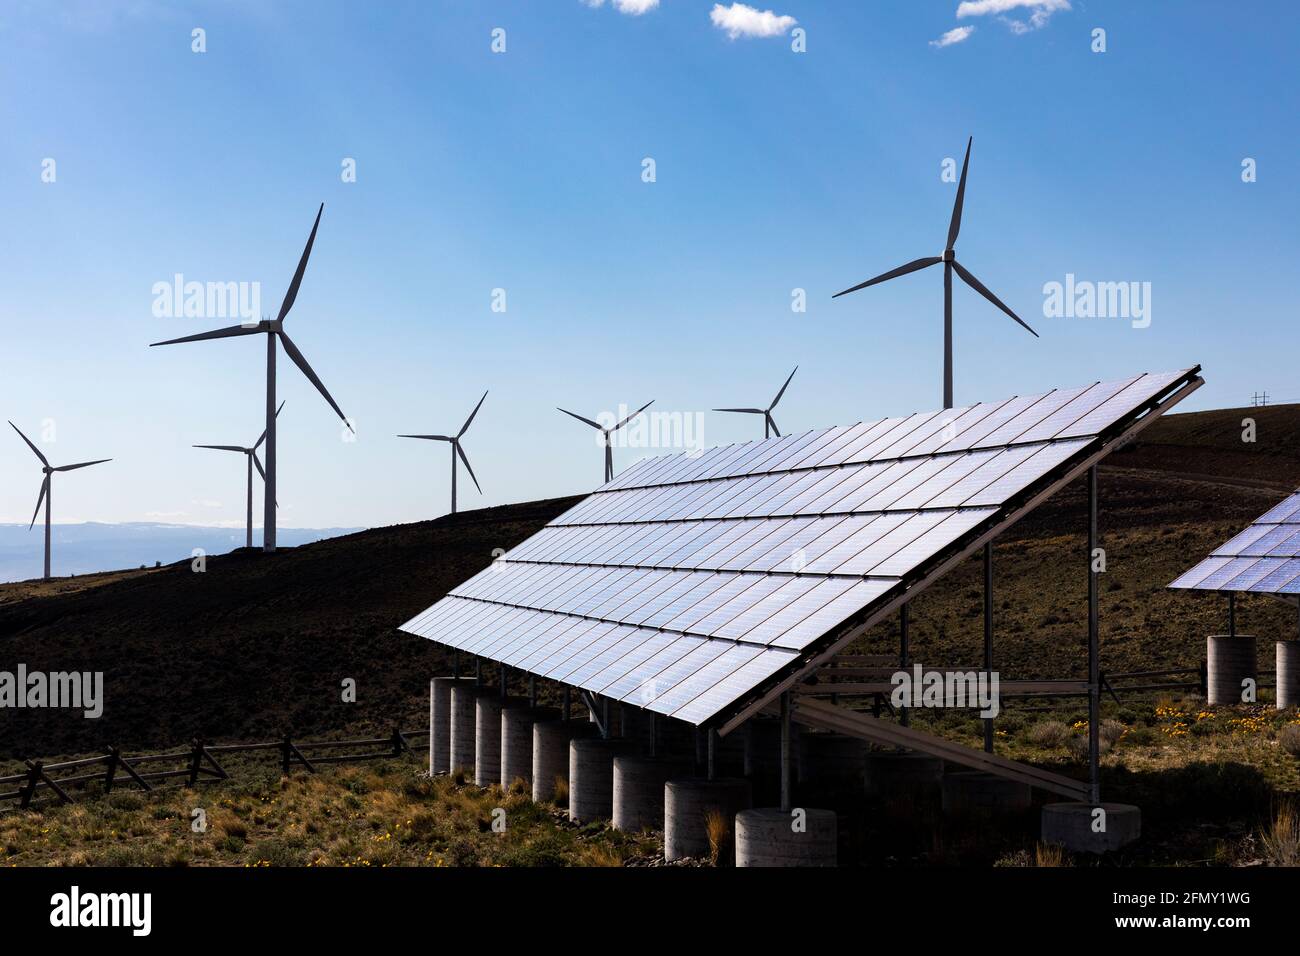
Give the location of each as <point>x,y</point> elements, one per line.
<point>710,762</point>
<point>532,691</point>
<point>478,672</point>
<point>904,655</point>
<point>455,664</point>
<point>988,637</point>
<point>567,712</point>
<point>787,798</point>
<point>1232,613</point>
<point>604,717</point>
<point>654,734</point>
<point>503,681</point>
<point>1094,650</point>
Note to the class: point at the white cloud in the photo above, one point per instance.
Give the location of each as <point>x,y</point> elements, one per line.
<point>955,35</point>
<point>739,20</point>
<point>633,8</point>
<point>1040,11</point>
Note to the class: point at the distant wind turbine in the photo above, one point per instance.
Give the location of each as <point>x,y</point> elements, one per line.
<point>949,260</point>
<point>47,489</point>
<point>274,329</point>
<point>769,423</point>
<point>251,455</point>
<point>456,450</point>
<point>606,433</point>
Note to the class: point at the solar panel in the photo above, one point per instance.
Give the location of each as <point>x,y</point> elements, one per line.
<point>1262,559</point>
<point>693,584</point>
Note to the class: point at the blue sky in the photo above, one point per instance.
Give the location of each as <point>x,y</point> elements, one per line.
<point>522,171</point>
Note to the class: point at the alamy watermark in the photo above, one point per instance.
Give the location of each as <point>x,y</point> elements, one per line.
<point>179,299</point>
<point>919,688</point>
<point>1082,299</point>
<point>73,690</point>
<point>652,429</point>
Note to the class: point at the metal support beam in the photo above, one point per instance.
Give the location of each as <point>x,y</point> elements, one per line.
<point>503,681</point>
<point>988,637</point>
<point>786,768</point>
<point>455,664</point>
<point>904,655</point>
<point>1232,613</point>
<point>478,672</point>
<point>532,691</point>
<point>604,717</point>
<point>711,760</point>
<point>567,712</point>
<point>654,734</point>
<point>1094,650</point>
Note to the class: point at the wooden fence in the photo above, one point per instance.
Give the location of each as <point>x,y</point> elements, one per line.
<point>199,764</point>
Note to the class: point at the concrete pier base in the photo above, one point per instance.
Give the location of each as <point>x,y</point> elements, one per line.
<point>907,773</point>
<point>551,740</point>
<point>591,776</point>
<point>638,801</point>
<point>517,742</point>
<point>687,805</point>
<point>978,793</point>
<point>464,697</point>
<point>1229,661</point>
<point>487,736</point>
<point>767,837</point>
<point>440,721</point>
<point>1288,674</point>
<point>1072,825</point>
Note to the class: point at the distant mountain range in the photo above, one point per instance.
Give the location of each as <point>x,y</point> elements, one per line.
<point>89,547</point>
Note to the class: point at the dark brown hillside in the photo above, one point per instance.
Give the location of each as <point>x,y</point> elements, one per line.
<point>256,645</point>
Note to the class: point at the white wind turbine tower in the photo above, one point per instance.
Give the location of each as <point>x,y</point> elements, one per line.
<point>47,489</point>
<point>251,455</point>
<point>274,329</point>
<point>606,433</point>
<point>769,423</point>
<point>456,449</point>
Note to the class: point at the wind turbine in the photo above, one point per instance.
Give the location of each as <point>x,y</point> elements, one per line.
<point>47,490</point>
<point>949,260</point>
<point>252,462</point>
<point>274,328</point>
<point>456,449</point>
<point>769,423</point>
<point>606,432</point>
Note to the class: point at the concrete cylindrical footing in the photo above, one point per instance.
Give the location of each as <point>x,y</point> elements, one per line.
<point>1229,661</point>
<point>517,742</point>
<point>1288,674</point>
<point>977,792</point>
<point>638,801</point>
<point>551,753</point>
<point>463,699</point>
<point>487,736</point>
<point>440,721</point>
<point>591,776</point>
<point>688,804</point>
<point>903,774</point>
<point>773,837</point>
<point>1075,826</point>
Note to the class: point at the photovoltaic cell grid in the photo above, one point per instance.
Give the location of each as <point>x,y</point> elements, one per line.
<point>1265,558</point>
<point>692,579</point>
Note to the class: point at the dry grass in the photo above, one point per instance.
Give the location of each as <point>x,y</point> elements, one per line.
<point>1049,855</point>
<point>718,826</point>
<point>1288,738</point>
<point>1049,734</point>
<point>1280,841</point>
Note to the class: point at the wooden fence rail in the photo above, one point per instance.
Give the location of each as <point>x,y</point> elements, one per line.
<point>200,764</point>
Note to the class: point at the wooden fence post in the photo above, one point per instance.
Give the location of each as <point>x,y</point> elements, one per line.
<point>33,777</point>
<point>196,760</point>
<point>114,755</point>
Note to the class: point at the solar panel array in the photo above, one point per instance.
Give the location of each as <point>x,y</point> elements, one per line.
<point>693,579</point>
<point>1265,558</point>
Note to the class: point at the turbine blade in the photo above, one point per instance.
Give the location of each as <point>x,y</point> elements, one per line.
<point>746,411</point>
<point>45,486</point>
<point>292,294</point>
<point>429,437</point>
<point>772,422</point>
<point>578,417</point>
<point>464,428</point>
<point>258,444</point>
<point>224,448</point>
<point>461,451</point>
<point>301,362</point>
<point>782,392</point>
<point>912,266</point>
<point>258,465</point>
<point>83,464</point>
<point>633,415</point>
<point>978,286</point>
<point>955,225</point>
<point>227,332</point>
<point>44,461</point>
